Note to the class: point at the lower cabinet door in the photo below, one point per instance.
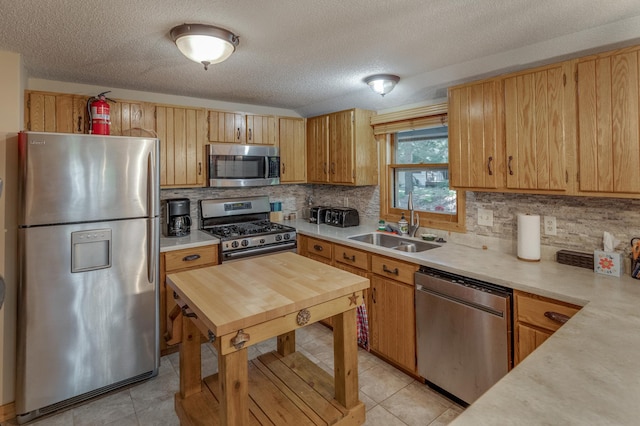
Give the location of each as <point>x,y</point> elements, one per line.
<point>393,322</point>
<point>528,340</point>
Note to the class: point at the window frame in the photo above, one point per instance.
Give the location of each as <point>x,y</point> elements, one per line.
<point>385,130</point>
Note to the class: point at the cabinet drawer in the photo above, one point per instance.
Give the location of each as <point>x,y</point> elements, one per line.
<point>190,258</point>
<point>537,310</point>
<point>319,248</point>
<point>351,256</point>
<point>394,269</point>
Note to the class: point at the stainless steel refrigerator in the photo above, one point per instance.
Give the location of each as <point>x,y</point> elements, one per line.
<point>88,248</point>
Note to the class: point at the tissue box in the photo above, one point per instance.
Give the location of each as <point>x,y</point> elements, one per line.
<point>607,263</point>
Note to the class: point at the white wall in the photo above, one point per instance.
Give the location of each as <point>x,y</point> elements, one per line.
<point>11,107</point>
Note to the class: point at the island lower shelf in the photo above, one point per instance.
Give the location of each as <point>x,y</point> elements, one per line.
<point>289,390</point>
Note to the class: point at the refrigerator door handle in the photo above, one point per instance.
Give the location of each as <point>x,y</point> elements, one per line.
<point>151,183</point>
<point>151,258</point>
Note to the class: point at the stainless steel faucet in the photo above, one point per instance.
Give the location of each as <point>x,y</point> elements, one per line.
<point>414,219</point>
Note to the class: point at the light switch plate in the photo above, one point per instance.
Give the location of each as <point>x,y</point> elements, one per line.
<point>485,217</point>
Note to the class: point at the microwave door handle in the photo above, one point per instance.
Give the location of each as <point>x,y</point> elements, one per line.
<point>266,166</point>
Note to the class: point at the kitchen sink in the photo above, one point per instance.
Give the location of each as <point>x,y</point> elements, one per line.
<point>394,242</point>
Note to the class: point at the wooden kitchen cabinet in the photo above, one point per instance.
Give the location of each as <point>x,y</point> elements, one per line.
<point>318,249</point>
<point>132,118</point>
<point>392,311</point>
<point>261,130</point>
<point>175,261</point>
<point>476,152</point>
<point>539,110</point>
<point>609,125</point>
<point>182,133</point>
<point>226,127</point>
<point>318,149</point>
<point>66,113</point>
<point>341,149</point>
<point>293,150</point>
<point>535,319</point>
<point>55,112</point>
<point>240,128</point>
<point>357,262</point>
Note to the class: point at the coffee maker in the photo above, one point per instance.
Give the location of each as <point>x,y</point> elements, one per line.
<point>178,219</point>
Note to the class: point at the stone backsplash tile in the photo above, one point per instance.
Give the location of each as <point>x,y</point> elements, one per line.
<point>580,221</point>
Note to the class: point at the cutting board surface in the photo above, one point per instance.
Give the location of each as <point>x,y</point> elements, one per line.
<point>244,293</point>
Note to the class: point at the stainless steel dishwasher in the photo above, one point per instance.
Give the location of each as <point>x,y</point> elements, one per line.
<point>463,332</point>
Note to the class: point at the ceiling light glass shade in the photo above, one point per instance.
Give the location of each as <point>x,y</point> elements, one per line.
<point>204,44</point>
<point>382,83</point>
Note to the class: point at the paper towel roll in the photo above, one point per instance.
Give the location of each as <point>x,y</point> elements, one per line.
<point>529,237</point>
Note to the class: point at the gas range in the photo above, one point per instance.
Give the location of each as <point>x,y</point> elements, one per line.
<point>243,227</point>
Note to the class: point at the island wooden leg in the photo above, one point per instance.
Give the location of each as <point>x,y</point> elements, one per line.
<point>234,388</point>
<point>287,343</point>
<point>345,355</point>
<point>190,373</point>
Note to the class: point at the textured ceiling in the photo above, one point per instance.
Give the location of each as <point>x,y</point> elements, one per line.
<point>307,56</point>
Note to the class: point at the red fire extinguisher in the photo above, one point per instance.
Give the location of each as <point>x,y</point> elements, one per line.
<point>99,117</point>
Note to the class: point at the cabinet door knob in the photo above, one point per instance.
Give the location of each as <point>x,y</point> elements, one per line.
<point>489,165</point>
<point>249,134</point>
<point>238,133</point>
<point>317,247</point>
<point>509,164</point>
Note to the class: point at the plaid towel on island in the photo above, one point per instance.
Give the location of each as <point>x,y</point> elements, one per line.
<point>363,327</point>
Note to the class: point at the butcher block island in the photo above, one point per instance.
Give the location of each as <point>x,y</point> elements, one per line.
<point>239,304</point>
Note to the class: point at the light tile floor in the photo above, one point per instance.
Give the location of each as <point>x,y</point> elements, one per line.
<point>390,396</point>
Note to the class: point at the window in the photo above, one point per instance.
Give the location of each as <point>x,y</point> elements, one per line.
<point>421,166</point>
<point>416,155</point>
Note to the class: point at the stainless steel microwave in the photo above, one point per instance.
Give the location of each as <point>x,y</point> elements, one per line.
<point>232,165</point>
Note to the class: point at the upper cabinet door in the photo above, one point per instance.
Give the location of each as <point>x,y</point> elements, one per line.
<point>182,133</point>
<point>55,112</point>
<point>475,159</point>
<point>539,127</point>
<point>227,127</point>
<point>261,130</point>
<point>609,136</point>
<point>341,147</point>
<point>293,150</point>
<point>318,149</point>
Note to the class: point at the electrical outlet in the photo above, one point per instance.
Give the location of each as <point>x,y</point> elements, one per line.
<point>549,225</point>
<point>485,217</point>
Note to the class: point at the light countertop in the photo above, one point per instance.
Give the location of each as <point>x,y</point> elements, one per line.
<point>588,372</point>
<point>196,238</point>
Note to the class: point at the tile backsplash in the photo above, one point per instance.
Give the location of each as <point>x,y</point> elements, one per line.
<point>580,221</point>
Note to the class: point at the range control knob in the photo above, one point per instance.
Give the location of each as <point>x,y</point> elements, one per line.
<point>245,243</point>
<point>287,236</point>
<point>278,237</point>
<point>262,241</point>
<point>235,244</point>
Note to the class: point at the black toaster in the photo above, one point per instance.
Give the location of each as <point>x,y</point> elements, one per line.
<point>317,214</point>
<point>342,217</point>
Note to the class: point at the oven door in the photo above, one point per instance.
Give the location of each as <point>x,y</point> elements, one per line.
<point>257,251</point>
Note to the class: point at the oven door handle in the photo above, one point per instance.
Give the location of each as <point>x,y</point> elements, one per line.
<point>258,251</point>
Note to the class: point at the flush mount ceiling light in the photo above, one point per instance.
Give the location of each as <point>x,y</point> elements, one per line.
<point>204,44</point>
<point>382,83</point>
